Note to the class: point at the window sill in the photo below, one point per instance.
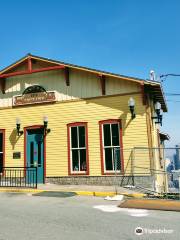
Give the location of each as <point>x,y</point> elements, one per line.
<point>79,174</point>
<point>113,173</point>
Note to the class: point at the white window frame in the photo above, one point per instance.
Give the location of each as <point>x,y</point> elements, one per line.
<point>111,146</point>
<point>78,148</point>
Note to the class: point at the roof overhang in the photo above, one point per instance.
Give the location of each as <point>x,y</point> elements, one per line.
<point>73,66</point>
<point>152,87</point>
<point>156,92</point>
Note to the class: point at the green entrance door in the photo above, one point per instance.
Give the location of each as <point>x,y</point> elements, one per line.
<point>35,152</point>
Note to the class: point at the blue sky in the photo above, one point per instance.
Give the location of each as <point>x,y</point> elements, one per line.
<point>129,37</point>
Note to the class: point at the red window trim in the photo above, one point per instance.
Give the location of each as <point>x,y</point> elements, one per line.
<point>4,136</point>
<point>109,121</point>
<point>75,124</point>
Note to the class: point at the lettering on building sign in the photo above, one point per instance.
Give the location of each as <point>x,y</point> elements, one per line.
<point>32,98</point>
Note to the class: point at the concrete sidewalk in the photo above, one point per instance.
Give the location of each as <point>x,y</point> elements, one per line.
<point>85,190</point>
<point>137,199</point>
<point>91,190</point>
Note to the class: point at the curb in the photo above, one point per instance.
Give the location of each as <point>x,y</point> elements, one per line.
<point>80,193</point>
<point>134,195</point>
<point>18,190</point>
<point>151,204</point>
<point>95,194</point>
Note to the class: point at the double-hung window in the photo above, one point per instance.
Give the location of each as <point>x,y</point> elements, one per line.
<point>111,152</point>
<point>78,148</point>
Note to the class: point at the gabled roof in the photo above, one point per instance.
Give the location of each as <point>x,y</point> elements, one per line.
<point>48,60</point>
<point>153,87</point>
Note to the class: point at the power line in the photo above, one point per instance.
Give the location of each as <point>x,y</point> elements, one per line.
<point>169,74</point>
<point>173,101</point>
<point>163,77</point>
<point>172,94</point>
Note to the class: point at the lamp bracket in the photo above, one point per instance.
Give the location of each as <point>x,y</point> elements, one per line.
<point>19,133</point>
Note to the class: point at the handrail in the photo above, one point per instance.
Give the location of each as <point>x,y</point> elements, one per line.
<point>25,177</point>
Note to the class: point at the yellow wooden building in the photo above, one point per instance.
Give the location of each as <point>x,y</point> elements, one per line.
<point>78,125</point>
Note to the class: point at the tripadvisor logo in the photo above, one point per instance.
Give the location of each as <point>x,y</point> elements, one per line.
<point>138,231</point>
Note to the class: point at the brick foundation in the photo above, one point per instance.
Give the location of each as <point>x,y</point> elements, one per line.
<point>143,181</point>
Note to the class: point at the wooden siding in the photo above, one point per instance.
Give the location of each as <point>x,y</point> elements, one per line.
<point>116,86</point>
<point>82,85</point>
<point>60,114</point>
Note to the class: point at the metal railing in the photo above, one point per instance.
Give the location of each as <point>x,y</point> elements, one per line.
<point>24,177</point>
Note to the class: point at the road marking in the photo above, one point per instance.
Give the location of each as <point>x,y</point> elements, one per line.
<point>138,212</point>
<point>131,212</point>
<point>29,194</point>
<point>108,208</point>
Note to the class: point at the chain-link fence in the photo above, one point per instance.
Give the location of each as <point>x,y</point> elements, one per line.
<point>153,170</point>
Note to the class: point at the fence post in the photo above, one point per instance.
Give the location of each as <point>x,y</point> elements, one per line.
<point>132,166</point>
<point>153,172</point>
<point>36,176</point>
<point>179,185</point>
<point>115,168</point>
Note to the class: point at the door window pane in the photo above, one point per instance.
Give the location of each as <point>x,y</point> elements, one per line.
<point>32,154</point>
<point>107,135</point>
<point>39,154</point>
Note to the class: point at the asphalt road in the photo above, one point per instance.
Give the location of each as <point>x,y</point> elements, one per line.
<point>23,216</point>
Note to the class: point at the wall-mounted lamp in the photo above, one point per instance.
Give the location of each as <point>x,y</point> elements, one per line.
<point>18,126</point>
<point>131,104</point>
<point>158,111</point>
<point>46,129</point>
